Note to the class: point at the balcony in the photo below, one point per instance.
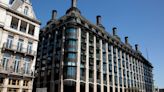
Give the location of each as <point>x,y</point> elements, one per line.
<point>20,72</point>
<point>16,49</point>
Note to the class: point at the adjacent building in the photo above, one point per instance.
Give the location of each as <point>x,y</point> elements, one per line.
<point>75,55</point>
<point>19,33</point>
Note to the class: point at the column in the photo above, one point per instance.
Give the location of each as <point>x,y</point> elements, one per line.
<point>61,86</point>
<point>19,24</point>
<point>87,64</point>
<point>101,66</point>
<point>95,70</point>
<point>78,61</point>
<point>130,60</point>
<point>52,87</point>
<point>127,88</point>
<point>113,81</point>
<point>21,85</point>
<point>107,67</point>
<point>30,85</point>
<point>27,28</point>
<point>121,55</point>
<point>118,84</point>
<point>6,81</point>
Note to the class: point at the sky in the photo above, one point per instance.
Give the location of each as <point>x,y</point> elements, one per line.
<point>141,20</point>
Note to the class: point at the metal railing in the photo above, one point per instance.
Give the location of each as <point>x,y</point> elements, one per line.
<point>16,48</point>
<point>20,72</point>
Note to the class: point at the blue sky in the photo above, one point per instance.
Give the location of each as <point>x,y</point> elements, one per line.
<point>141,20</point>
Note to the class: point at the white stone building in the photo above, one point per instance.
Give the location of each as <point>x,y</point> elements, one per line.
<point>19,30</point>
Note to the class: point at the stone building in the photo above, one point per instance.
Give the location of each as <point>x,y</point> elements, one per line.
<point>75,55</point>
<point>19,33</point>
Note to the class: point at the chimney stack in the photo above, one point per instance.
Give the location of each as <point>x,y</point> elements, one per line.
<point>114,31</point>
<point>98,20</point>
<point>137,47</point>
<point>126,40</point>
<point>74,3</point>
<point>54,14</point>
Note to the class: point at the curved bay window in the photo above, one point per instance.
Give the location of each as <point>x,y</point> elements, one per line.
<point>69,86</point>
<point>70,54</point>
<point>70,66</point>
<point>71,33</point>
<point>71,45</point>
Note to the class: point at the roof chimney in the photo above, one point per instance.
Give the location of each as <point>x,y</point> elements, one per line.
<point>126,40</point>
<point>114,31</point>
<point>74,3</point>
<point>98,20</point>
<point>137,47</point>
<point>54,14</point>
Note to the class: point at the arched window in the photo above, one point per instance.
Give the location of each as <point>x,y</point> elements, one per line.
<point>26,9</point>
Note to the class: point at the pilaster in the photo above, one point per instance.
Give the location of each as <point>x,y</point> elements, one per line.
<point>101,66</point>
<point>87,64</point>
<point>6,81</point>
<point>95,70</point>
<point>78,61</point>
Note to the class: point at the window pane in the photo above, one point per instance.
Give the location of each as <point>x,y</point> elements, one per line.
<point>71,55</point>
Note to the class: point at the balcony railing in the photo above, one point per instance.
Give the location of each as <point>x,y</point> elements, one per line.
<point>20,72</point>
<point>15,48</point>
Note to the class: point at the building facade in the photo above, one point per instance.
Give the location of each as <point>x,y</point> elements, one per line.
<point>75,55</point>
<point>19,33</point>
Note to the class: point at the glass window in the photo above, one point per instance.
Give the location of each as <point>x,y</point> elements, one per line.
<point>9,41</point>
<point>71,45</point>
<point>5,61</point>
<point>27,65</point>
<point>110,78</point>
<point>20,45</point>
<point>115,69</point>
<point>71,63</point>
<point>72,42</point>
<point>23,26</point>
<point>71,30</point>
<point>14,23</point>
<point>29,47</point>
<point>71,55</point>
<point>110,67</point>
<point>120,80</point>
<point>16,64</point>
<point>26,9</point>
<point>116,81</point>
<point>71,33</point>
<point>70,72</point>
<point>31,29</point>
